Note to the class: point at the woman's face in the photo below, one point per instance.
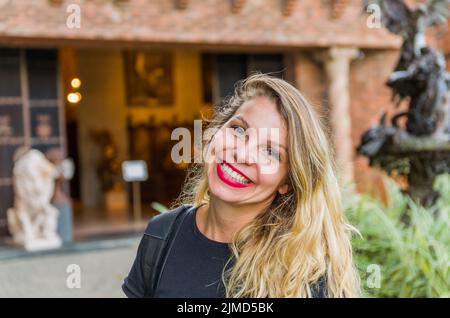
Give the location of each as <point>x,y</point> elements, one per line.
<point>248,160</point>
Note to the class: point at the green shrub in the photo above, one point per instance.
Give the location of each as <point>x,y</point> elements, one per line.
<point>408,242</point>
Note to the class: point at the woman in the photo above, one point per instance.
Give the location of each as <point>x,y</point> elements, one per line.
<point>261,217</point>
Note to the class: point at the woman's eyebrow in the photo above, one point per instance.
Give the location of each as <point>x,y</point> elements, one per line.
<point>243,120</point>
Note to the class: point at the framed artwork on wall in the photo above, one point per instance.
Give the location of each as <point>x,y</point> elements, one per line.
<point>149,78</point>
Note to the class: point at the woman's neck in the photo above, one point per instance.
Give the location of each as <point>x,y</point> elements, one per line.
<point>220,221</point>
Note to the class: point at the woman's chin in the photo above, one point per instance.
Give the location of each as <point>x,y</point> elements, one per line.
<point>226,193</point>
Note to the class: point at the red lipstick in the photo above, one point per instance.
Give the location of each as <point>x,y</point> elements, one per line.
<point>230,181</point>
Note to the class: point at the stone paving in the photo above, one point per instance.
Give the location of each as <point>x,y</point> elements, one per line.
<point>101,273</point>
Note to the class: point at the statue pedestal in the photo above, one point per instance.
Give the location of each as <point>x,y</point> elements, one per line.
<point>65,222</point>
<point>42,244</point>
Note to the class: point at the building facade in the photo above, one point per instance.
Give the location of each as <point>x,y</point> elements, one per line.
<point>147,66</point>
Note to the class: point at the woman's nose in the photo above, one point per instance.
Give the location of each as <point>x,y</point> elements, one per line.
<point>246,151</point>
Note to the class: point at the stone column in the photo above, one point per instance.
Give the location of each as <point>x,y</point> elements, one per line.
<point>336,61</point>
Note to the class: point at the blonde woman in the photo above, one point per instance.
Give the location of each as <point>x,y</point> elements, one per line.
<point>261,216</point>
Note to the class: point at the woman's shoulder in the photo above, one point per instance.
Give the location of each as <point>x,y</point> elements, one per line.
<point>160,225</point>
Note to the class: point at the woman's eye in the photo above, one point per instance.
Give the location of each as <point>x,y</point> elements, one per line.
<point>240,131</point>
<point>273,152</point>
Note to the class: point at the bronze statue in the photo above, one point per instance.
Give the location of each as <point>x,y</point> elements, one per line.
<point>421,149</point>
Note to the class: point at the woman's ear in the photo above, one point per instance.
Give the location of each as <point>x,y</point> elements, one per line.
<point>283,189</point>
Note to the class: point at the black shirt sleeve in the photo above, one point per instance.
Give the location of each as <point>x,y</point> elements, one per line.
<point>319,289</point>
<point>134,284</point>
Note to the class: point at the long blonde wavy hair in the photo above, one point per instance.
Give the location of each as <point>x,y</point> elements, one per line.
<point>304,235</point>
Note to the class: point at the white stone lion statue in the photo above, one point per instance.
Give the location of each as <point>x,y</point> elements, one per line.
<point>33,220</point>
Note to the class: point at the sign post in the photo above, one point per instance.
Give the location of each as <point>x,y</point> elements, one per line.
<point>135,171</point>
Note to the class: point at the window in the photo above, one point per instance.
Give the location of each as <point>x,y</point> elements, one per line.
<point>220,72</point>
<point>29,111</point>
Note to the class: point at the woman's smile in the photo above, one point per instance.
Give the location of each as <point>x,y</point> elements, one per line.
<point>231,176</point>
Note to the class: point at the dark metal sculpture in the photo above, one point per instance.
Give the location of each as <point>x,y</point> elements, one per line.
<point>421,149</point>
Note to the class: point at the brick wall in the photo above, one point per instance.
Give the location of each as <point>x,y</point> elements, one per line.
<point>205,22</point>
<point>369,98</point>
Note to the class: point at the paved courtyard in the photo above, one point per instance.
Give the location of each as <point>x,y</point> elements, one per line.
<point>101,272</point>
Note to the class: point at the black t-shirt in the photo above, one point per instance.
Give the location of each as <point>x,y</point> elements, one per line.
<point>193,268</point>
